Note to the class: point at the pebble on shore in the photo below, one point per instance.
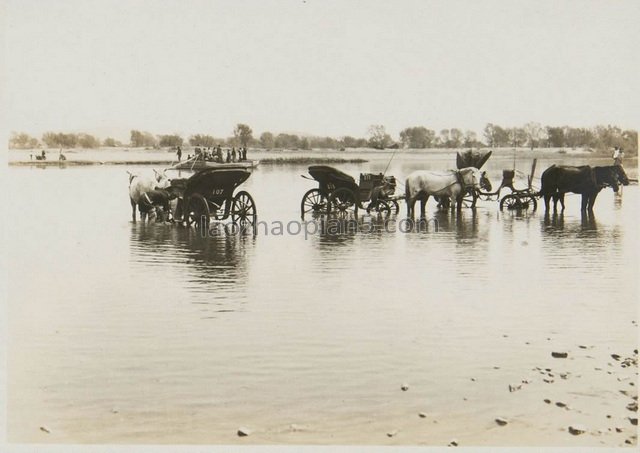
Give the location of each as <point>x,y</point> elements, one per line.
<point>577,429</point>
<point>243,432</point>
<point>501,421</point>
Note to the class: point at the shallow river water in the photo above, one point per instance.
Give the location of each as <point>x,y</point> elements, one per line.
<point>132,333</point>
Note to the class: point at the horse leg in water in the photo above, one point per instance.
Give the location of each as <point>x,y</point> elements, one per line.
<point>592,201</point>
<point>584,202</point>
<point>547,199</point>
<point>133,210</point>
<point>561,198</point>
<point>423,203</point>
<point>459,199</point>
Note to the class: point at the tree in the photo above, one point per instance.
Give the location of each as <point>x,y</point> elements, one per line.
<point>378,137</point>
<point>517,136</point>
<point>456,136</point>
<point>496,136</point>
<point>555,136</point>
<point>203,140</point>
<point>171,141</point>
<point>533,134</point>
<point>22,141</point>
<point>243,134</point>
<point>417,137</point>
<point>287,141</point>
<point>267,140</point>
<point>87,141</point>
<point>445,137</point>
<point>470,139</point>
<point>142,139</point>
<point>111,142</point>
<point>60,140</point>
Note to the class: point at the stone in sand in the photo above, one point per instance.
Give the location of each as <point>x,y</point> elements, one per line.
<point>633,406</point>
<point>633,421</point>
<point>547,400</point>
<point>404,387</point>
<point>243,432</point>
<point>45,429</point>
<point>560,404</point>
<point>560,355</point>
<point>501,421</point>
<point>453,443</point>
<point>577,429</point>
<point>392,433</point>
<point>422,415</point>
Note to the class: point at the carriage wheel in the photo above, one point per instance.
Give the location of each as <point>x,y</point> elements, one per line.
<point>519,202</point>
<point>314,201</point>
<point>243,210</point>
<point>381,207</point>
<point>343,200</point>
<point>394,207</point>
<point>198,211</point>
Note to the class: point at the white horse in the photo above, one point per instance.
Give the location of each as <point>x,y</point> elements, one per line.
<point>139,185</point>
<point>453,184</point>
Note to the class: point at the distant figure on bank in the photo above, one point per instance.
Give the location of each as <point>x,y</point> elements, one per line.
<point>179,153</point>
<point>618,155</point>
<point>244,153</point>
<point>62,156</point>
<point>234,155</point>
<point>228,156</point>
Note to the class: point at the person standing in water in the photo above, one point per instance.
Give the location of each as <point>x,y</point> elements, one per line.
<point>179,153</point>
<point>618,155</point>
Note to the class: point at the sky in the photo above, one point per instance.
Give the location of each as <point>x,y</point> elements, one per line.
<point>317,67</point>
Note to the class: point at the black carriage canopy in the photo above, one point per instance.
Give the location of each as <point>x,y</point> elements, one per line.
<point>216,181</point>
<point>326,176</point>
<point>472,158</point>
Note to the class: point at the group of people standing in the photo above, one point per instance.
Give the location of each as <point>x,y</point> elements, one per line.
<point>216,154</point>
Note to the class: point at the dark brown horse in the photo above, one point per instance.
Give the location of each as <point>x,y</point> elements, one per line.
<point>584,180</point>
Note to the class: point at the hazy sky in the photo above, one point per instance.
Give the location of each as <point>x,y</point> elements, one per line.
<point>320,67</point>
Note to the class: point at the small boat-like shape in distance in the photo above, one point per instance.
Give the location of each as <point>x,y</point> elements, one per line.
<point>199,163</point>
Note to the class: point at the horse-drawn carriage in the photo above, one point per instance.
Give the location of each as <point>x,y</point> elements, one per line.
<point>338,192</point>
<point>520,199</point>
<point>555,182</point>
<point>209,194</point>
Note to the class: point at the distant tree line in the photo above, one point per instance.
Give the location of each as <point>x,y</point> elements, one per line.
<point>531,135</point>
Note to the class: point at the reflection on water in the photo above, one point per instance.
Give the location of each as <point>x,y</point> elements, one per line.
<point>213,267</point>
<point>187,338</point>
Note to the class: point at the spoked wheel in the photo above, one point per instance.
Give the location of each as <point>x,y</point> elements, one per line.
<point>518,202</point>
<point>198,211</point>
<point>243,210</point>
<point>394,207</point>
<point>314,201</point>
<point>381,207</point>
<point>343,200</point>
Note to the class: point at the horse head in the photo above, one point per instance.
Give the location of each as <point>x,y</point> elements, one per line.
<point>606,177</point>
<point>621,175</point>
<point>472,177</point>
<point>161,179</point>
